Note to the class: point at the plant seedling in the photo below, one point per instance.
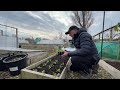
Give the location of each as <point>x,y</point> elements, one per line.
<point>47,61</point>
<point>44,64</point>
<point>50,60</point>
<point>58,75</point>
<point>35,70</point>
<point>54,62</point>
<point>58,71</point>
<point>49,67</point>
<point>39,67</point>
<point>43,71</point>
<point>62,63</point>
<point>54,74</point>
<point>61,66</point>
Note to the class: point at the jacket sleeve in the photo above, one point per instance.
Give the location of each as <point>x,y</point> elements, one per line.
<point>85,44</point>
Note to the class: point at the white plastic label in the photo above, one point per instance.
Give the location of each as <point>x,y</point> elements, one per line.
<point>13,68</point>
<point>69,49</point>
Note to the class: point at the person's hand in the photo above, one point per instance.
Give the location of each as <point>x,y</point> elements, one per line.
<point>65,54</point>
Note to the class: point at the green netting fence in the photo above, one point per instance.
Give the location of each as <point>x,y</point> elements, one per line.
<point>109,50</point>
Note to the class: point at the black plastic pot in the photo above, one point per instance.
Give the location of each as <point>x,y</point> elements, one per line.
<point>60,53</point>
<point>2,65</point>
<point>15,66</point>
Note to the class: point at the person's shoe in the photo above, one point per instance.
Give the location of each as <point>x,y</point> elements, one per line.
<point>85,75</point>
<point>95,69</point>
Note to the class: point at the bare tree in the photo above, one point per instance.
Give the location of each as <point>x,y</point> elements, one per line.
<point>83,18</point>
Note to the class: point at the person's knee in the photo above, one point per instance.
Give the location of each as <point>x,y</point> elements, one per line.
<point>73,65</point>
<point>74,59</point>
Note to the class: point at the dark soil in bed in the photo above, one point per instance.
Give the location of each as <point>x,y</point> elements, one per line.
<point>53,66</point>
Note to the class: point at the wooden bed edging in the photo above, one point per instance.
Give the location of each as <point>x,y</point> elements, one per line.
<point>26,73</point>
<point>110,69</point>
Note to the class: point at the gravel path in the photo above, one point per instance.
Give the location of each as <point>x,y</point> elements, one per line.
<point>102,74</point>
<point>6,75</point>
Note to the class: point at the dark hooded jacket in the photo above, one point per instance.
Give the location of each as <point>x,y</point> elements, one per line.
<point>85,47</point>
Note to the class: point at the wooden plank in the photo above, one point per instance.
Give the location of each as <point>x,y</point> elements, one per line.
<point>64,72</point>
<point>113,71</point>
<point>29,74</point>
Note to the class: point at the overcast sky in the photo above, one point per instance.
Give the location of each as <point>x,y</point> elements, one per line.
<point>47,24</point>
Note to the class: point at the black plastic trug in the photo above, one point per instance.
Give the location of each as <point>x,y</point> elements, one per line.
<point>2,65</point>
<point>15,66</point>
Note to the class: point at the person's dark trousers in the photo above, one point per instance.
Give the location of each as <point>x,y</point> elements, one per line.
<point>81,64</point>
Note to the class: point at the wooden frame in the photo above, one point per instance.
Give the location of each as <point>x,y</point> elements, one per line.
<point>26,73</point>
<point>110,69</point>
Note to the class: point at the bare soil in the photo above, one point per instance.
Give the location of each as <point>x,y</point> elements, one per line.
<point>115,64</point>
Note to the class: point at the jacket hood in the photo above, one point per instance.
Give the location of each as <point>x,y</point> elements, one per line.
<point>79,31</point>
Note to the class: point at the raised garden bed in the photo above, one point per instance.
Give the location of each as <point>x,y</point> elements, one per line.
<point>110,68</point>
<point>102,74</point>
<point>53,67</point>
<point>105,71</point>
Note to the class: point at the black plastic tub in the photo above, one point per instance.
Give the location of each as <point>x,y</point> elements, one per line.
<point>2,65</point>
<point>60,53</point>
<point>15,63</point>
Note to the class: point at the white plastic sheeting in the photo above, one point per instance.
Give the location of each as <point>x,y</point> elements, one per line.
<point>69,49</point>
<point>7,41</point>
<point>10,41</point>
